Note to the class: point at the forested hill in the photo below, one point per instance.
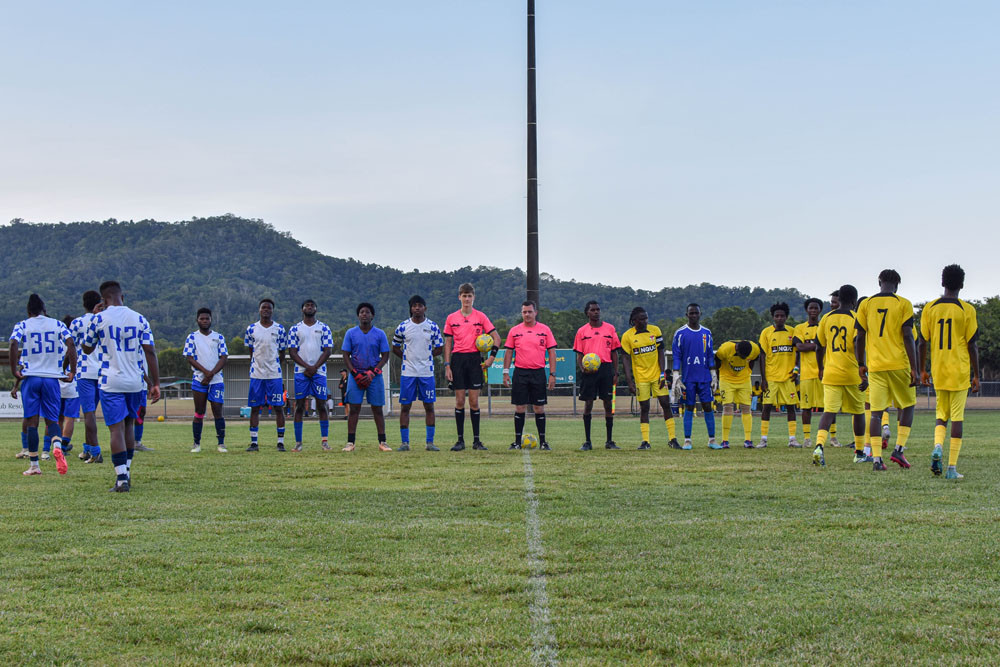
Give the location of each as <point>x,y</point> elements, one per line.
<point>169,270</point>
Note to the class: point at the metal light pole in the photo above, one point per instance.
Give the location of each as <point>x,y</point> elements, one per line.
<point>532,164</point>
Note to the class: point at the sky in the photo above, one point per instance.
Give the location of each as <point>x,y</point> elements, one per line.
<point>774,144</point>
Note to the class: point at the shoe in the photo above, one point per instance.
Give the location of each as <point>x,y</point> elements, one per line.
<point>878,466</point>
<point>936,461</point>
<point>83,456</point>
<point>951,474</point>
<point>281,447</point>
<point>514,445</point>
<point>139,447</point>
<point>382,447</point>
<point>458,446</point>
<point>674,444</point>
<point>253,448</point>
<point>714,445</point>
<point>297,447</point>
<point>748,444</point>
<point>834,442</point>
<point>586,447</point>
<point>32,471</point>
<point>885,438</point>
<point>196,449</point>
<point>45,456</point>
<point>611,445</point>
<point>23,454</point>
<point>95,459</point>
<point>725,444</point>
<point>61,466</point>
<point>792,442</point>
<point>686,446</point>
<point>121,487</point>
<point>222,449</point>
<point>545,447</point>
<point>900,458</point>
<point>348,448</point>
<point>807,443</point>
<point>326,446</point>
<point>644,445</point>
<point>818,458</point>
<point>431,448</point>
<point>761,445</point>
<point>476,444</point>
<point>405,447</point>
<point>67,448</point>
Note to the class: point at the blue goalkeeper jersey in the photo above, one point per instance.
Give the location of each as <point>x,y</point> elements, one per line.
<point>693,354</point>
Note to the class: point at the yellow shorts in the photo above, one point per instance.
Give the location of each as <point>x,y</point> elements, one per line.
<point>781,393</point>
<point>888,387</point>
<point>843,398</point>
<point>738,394</point>
<point>645,390</point>
<point>811,394</point>
<point>951,404</point>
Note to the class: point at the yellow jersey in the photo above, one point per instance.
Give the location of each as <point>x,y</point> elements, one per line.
<point>836,334</point>
<point>883,316</point>
<point>806,333</point>
<point>779,353</point>
<point>949,325</point>
<point>643,349</point>
<point>734,369</point>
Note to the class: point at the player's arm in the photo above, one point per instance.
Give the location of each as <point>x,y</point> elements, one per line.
<point>614,361</point>
<point>324,354</point>
<point>552,368</point>
<point>627,366</point>
<point>860,338</point>
<point>911,351</point>
<point>223,358</point>
<point>974,363</point>
<point>15,357</point>
<point>509,346</point>
<point>70,361</point>
<point>381,362</point>
<point>293,352</point>
<point>661,359</point>
<point>449,342</point>
<point>493,350</point>
<point>820,351</point>
<point>153,370</point>
<point>925,377</point>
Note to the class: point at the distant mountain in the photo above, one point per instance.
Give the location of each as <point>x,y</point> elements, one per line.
<point>227,263</point>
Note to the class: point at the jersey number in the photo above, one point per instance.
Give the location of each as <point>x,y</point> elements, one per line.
<point>881,328</point>
<point>840,332</point>
<point>941,325</point>
<point>125,338</point>
<point>50,342</point>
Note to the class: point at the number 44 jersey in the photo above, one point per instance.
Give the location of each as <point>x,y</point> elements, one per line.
<point>836,336</point>
<point>118,334</point>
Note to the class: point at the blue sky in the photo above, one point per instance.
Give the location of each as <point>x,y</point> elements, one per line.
<point>745,143</point>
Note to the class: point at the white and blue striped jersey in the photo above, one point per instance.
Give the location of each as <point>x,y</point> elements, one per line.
<point>118,334</point>
<point>42,341</point>
<point>206,350</point>
<point>418,342</point>
<point>310,341</point>
<point>266,343</point>
<point>87,367</point>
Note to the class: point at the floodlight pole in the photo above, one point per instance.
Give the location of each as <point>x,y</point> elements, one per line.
<point>532,277</point>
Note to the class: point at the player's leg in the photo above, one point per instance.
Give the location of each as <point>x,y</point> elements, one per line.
<point>519,417</point>
<point>429,420</point>
<point>216,399</point>
<point>459,420</point>
<point>300,411</point>
<point>905,398</point>
<point>322,394</point>
<point>609,424</point>
<point>198,422</point>
<point>792,424</point>
<point>255,399</point>
<point>31,426</point>
<point>668,419</point>
<point>353,412</point>
<point>375,394</point>
<point>540,424</point>
<point>644,420</point>
<point>23,454</point>
<point>140,425</point>
<point>474,418</point>
<point>519,391</point>
<point>404,425</point>
<point>765,417</point>
<point>276,399</point>
<point>588,409</point>
<point>957,413</point>
<point>807,423</point>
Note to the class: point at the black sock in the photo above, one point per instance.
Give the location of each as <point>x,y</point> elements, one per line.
<point>381,437</point>
<point>586,427</point>
<point>474,418</point>
<point>609,426</point>
<point>129,453</point>
<point>350,437</point>
<point>518,427</point>
<point>540,425</point>
<point>460,423</point>
<point>196,427</point>
<point>220,430</point>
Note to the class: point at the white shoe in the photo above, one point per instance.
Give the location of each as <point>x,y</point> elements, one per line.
<point>886,433</point>
<point>792,442</point>
<point>222,449</point>
<point>44,456</point>
<point>762,444</point>
<point>23,454</point>
<point>834,442</point>
<point>807,442</point>
<point>196,449</point>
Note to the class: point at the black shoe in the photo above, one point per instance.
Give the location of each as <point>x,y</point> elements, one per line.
<point>878,466</point>
<point>67,448</point>
<point>403,448</point>
<point>95,459</point>
<point>478,445</point>
<point>432,448</point>
<point>253,448</point>
<point>611,445</point>
<point>514,445</point>
<point>281,447</point>
<point>120,487</point>
<point>586,447</point>
<point>545,447</point>
<point>84,456</point>
<point>674,444</point>
<point>644,445</point>
<point>458,446</point>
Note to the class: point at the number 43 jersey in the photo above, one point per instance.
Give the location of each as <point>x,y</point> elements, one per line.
<point>118,334</point>
<point>836,336</point>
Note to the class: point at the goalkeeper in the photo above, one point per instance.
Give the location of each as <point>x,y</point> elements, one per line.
<point>366,350</point>
<point>694,373</point>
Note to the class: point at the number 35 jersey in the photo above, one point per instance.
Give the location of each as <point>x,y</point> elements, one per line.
<point>949,325</point>
<point>118,334</point>
<point>836,336</point>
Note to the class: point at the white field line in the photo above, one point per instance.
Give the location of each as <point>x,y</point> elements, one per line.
<point>544,650</point>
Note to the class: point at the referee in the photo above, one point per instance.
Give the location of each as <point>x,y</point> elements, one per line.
<point>528,343</point>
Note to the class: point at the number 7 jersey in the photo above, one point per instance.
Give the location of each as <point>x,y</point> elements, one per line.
<point>882,317</point>
<point>118,334</point>
<point>836,336</point>
<point>949,325</point>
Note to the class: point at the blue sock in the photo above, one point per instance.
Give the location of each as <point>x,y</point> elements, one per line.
<point>32,439</point>
<point>65,444</point>
<point>220,430</point>
<point>120,461</point>
<point>430,434</point>
<point>196,426</point>
<point>298,431</point>
<point>281,435</point>
<point>95,450</point>
<point>710,423</point>
<point>138,432</point>
<point>24,439</point>
<point>688,421</point>
<point>86,448</point>
<point>404,435</point>
<point>253,435</point>
<point>47,443</point>
<point>324,428</point>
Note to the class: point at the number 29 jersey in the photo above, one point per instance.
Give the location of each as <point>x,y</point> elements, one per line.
<point>836,336</point>
<point>118,334</point>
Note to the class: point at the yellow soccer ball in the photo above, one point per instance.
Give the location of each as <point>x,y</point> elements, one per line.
<point>160,418</point>
<point>591,362</point>
<point>528,441</point>
<point>484,342</point>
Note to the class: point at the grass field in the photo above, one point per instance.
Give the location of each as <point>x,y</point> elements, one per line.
<point>368,558</point>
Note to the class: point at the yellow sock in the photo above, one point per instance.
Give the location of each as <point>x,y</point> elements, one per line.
<point>956,446</point>
<point>644,429</point>
<point>807,430</point>
<point>902,435</point>
<point>939,433</point>
<point>747,425</point>
<point>876,444</point>
<point>833,429</point>
<point>859,443</point>
<point>821,436</point>
<point>885,418</point>
<point>765,426</point>
<point>868,422</point>
<point>727,424</point>
<point>792,428</point>
<point>671,428</point>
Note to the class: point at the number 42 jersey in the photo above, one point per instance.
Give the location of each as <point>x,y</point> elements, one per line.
<point>836,336</point>
<point>118,334</point>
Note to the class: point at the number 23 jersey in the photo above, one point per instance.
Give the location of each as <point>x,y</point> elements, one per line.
<point>836,335</point>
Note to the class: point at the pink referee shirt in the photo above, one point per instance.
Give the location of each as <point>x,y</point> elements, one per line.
<point>464,330</point>
<point>599,340</point>
<point>530,344</point>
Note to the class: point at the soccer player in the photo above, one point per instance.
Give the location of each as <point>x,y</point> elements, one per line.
<point>267,342</point>
<point>949,329</point>
<point>834,305</point>
<point>69,403</point>
<point>127,353</point>
<point>810,387</point>
<point>88,374</point>
<point>838,371</point>
<point>645,371</point>
<point>310,343</point>
<point>417,341</point>
<point>778,373</point>
<point>528,343</point>
<point>887,360</point>
<point>463,363</point>
<point>694,373</point>
<point>207,353</point>
<point>40,346</point>
<point>601,339</point>
<point>734,359</point>
<point>366,349</point>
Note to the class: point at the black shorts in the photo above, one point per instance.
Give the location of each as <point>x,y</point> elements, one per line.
<point>599,384</point>
<point>529,385</point>
<point>466,370</point>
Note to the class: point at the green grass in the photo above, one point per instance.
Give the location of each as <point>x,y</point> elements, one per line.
<point>650,557</point>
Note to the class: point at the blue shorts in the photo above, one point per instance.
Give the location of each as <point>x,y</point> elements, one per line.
<point>216,392</point>
<point>70,407</point>
<point>89,398</point>
<point>266,392</point>
<point>41,397</point>
<point>310,386</point>
<point>700,392</point>
<point>117,407</point>
<point>412,389</point>
<point>375,393</point>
